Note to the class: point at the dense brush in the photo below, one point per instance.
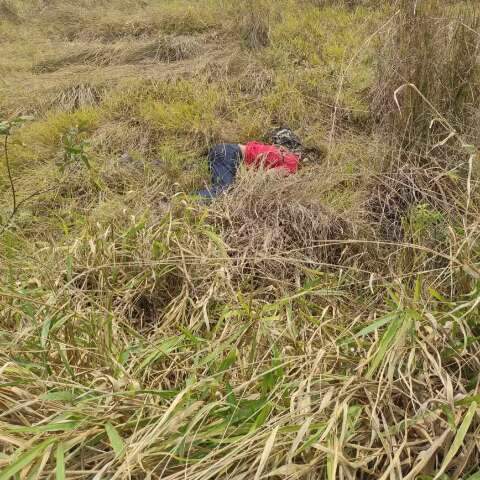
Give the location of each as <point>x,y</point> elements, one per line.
<point>311,326</point>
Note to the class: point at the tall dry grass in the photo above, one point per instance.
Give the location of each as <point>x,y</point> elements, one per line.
<point>149,345</point>
<point>324,325</point>
<point>436,49</point>
<point>254,19</point>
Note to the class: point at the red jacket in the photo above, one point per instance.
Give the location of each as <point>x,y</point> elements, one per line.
<point>270,156</point>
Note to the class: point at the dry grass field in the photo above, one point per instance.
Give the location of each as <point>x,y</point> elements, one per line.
<point>324,325</point>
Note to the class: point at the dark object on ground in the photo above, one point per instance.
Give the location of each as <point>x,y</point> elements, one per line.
<point>223,161</point>
<point>285,137</point>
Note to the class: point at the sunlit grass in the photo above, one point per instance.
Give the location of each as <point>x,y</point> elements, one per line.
<point>323,325</point>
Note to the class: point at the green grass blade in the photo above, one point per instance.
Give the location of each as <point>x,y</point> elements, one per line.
<point>458,440</point>
<point>159,351</point>
<point>25,459</point>
<point>60,462</point>
<point>115,439</point>
<point>45,331</point>
<point>385,344</point>
<point>64,426</point>
<point>372,327</point>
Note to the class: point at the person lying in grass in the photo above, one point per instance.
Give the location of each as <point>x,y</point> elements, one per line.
<point>224,159</point>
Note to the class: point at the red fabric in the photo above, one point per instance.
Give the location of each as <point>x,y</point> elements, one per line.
<point>270,156</point>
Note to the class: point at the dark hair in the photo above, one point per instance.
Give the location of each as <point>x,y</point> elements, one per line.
<point>285,137</point>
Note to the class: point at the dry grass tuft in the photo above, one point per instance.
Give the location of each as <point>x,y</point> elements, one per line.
<point>8,11</point>
<point>437,54</point>
<point>255,18</point>
<point>164,49</point>
<point>107,22</point>
<point>317,326</point>
<point>76,97</point>
<point>394,192</point>
<point>275,226</point>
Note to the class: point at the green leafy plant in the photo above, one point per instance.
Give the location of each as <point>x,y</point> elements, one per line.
<point>74,149</point>
<point>6,128</point>
<point>424,223</point>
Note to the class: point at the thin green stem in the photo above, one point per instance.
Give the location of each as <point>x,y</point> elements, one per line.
<point>12,185</point>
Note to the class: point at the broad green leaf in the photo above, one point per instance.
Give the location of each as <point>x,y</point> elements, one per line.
<point>60,462</point>
<point>331,464</point>
<point>65,396</point>
<point>468,400</point>
<point>230,397</point>
<point>262,417</point>
<point>190,336</point>
<point>115,439</point>
<point>437,296</point>
<point>216,239</point>
<point>24,459</point>
<point>312,439</point>
<point>373,326</point>
<point>447,409</point>
<point>123,357</point>
<point>324,292</point>
<point>65,361</point>
<point>418,289</point>
<point>132,231</point>
<point>246,411</point>
<point>212,356</point>
<point>458,440</point>
<point>59,322</point>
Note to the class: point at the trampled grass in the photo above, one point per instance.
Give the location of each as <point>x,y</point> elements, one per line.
<point>323,325</point>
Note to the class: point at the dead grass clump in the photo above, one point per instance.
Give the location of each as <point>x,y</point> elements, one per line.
<point>118,137</point>
<point>109,30</point>
<point>190,19</point>
<point>65,20</point>
<point>8,11</point>
<point>275,228</point>
<point>344,3</point>
<point>73,22</point>
<point>76,96</point>
<point>255,17</point>
<point>106,23</point>
<point>250,77</point>
<point>393,194</point>
<point>90,55</point>
<point>163,49</point>
<point>434,47</point>
<point>160,263</point>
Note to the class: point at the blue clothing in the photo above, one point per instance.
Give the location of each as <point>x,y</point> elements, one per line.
<point>223,161</point>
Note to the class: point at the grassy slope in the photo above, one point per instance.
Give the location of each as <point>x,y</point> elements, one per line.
<point>144,336</point>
